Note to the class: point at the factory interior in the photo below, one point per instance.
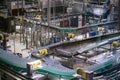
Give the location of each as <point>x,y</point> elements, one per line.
<point>59,40</point>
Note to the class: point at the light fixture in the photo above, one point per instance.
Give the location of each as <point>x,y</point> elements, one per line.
<point>98,11</point>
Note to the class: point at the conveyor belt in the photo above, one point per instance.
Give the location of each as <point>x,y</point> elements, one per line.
<point>19,64</point>
<point>108,71</point>
<point>105,67</point>
<point>74,43</point>
<point>90,47</point>
<point>13,72</point>
<point>58,28</point>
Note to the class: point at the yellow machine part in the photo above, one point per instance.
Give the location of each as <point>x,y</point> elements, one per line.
<point>81,72</point>
<point>36,65</point>
<point>21,19</point>
<point>115,44</point>
<point>38,16</point>
<point>70,35</point>
<point>43,51</point>
<point>32,9</point>
<point>101,29</point>
<point>2,36</point>
<point>86,75</point>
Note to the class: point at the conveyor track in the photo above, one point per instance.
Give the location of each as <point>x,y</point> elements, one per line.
<point>13,72</point>
<point>50,68</point>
